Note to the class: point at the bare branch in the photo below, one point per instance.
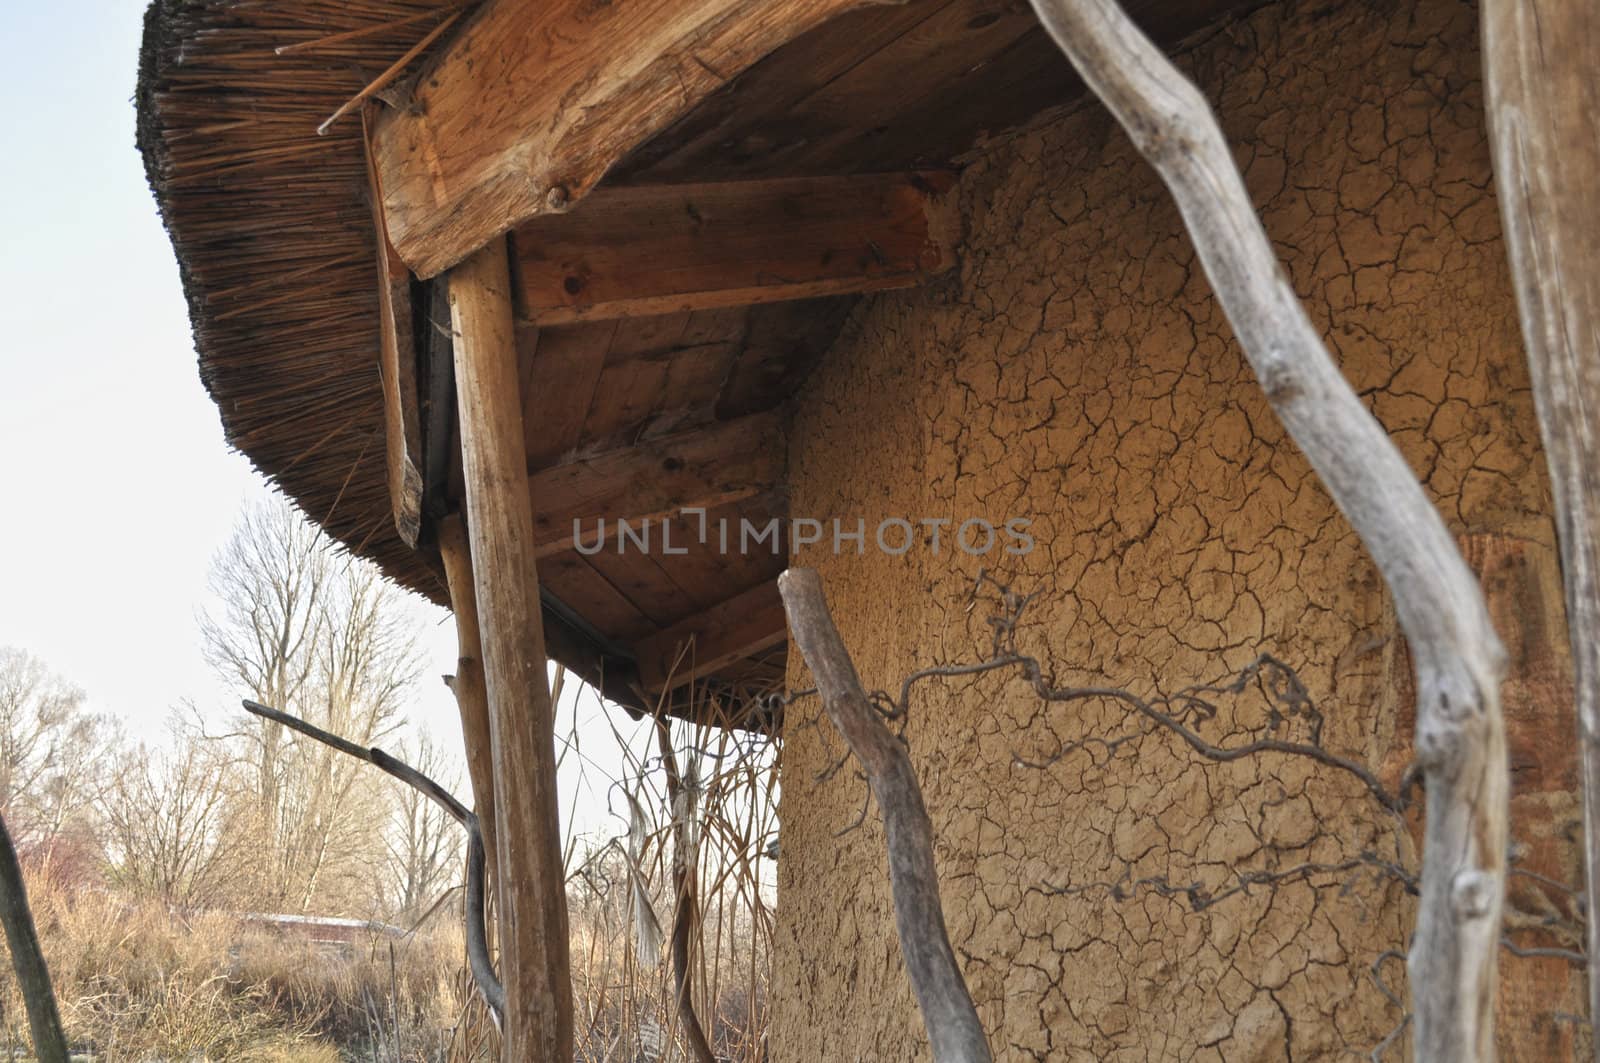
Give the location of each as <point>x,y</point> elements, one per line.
<point>477,938</point>
<point>1459,661</point>
<point>954,1031</point>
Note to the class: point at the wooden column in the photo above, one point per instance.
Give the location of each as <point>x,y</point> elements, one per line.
<point>1540,59</point>
<point>531,889</point>
<point>472,697</point>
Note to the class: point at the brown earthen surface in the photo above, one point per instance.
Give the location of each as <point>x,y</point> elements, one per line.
<point>1078,373</point>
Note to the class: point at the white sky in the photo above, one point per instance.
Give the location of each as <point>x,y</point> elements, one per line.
<point>117,487</point>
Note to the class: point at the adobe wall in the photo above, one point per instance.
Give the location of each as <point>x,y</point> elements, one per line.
<point>1077,372</point>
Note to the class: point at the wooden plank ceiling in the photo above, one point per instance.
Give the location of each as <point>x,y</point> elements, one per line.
<point>668,316</point>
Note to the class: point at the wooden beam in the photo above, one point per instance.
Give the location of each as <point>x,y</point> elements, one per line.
<point>691,649</point>
<point>532,892</point>
<point>705,467</point>
<point>531,103</point>
<point>1543,104</point>
<point>661,249</point>
<point>472,697</point>
<point>397,368</point>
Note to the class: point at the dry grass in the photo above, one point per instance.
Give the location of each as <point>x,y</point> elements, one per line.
<point>136,982</point>
<point>139,982</point>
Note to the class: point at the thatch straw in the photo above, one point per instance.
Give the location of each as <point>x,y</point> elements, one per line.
<point>274,237</point>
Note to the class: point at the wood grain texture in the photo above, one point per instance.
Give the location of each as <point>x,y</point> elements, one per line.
<point>705,467</point>
<point>397,367</point>
<point>662,249</point>
<point>472,697</point>
<point>531,103</point>
<point>691,649</point>
<point>533,910</point>
<point>560,371</point>
<point>1543,103</point>
<point>1459,661</point>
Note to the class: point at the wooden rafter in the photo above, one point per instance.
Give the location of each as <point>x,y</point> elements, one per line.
<point>529,104</point>
<point>660,249</point>
<point>704,468</point>
<point>397,367</point>
<point>745,624</point>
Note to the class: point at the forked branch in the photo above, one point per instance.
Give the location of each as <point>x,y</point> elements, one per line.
<point>954,1031</point>
<point>1459,661</point>
<point>477,937</point>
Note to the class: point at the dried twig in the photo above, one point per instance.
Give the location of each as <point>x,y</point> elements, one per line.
<point>477,937</point>
<point>947,1010</point>
<point>685,902</point>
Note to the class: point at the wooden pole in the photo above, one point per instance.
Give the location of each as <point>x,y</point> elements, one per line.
<point>531,881</point>
<point>44,1021</point>
<point>954,1033</point>
<point>1540,59</point>
<point>472,699</point>
<point>1459,662</point>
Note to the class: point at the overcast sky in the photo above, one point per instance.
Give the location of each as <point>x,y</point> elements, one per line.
<point>118,487</point>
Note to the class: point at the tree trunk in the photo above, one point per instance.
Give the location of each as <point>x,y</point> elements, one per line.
<point>1458,658</point>
<point>1540,61</point>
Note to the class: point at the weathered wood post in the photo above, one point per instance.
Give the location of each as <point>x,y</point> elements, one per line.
<point>530,880</point>
<point>472,698</point>
<point>1543,102</point>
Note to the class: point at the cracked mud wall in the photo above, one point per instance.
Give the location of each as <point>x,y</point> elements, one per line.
<point>1078,373</point>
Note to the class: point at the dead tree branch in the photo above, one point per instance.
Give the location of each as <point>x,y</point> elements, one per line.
<point>477,936</point>
<point>685,902</point>
<point>951,1019</point>
<point>44,1021</point>
<point>1458,658</point>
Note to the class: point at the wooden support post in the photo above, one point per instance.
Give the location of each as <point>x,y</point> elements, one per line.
<point>531,882</point>
<point>1540,58</point>
<point>472,698</point>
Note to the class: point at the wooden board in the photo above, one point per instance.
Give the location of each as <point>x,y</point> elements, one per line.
<point>886,89</point>
<point>744,624</point>
<point>560,370</point>
<point>706,468</point>
<point>631,251</point>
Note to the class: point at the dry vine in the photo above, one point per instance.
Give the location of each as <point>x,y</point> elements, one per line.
<point>1459,661</point>
<point>1183,715</point>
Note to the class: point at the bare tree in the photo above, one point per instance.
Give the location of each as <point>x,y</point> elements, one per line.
<point>49,752</point>
<point>172,829</point>
<point>323,636</point>
<point>425,843</point>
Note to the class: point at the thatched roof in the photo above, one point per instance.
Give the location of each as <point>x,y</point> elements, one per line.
<point>812,163</point>
<point>274,238</point>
